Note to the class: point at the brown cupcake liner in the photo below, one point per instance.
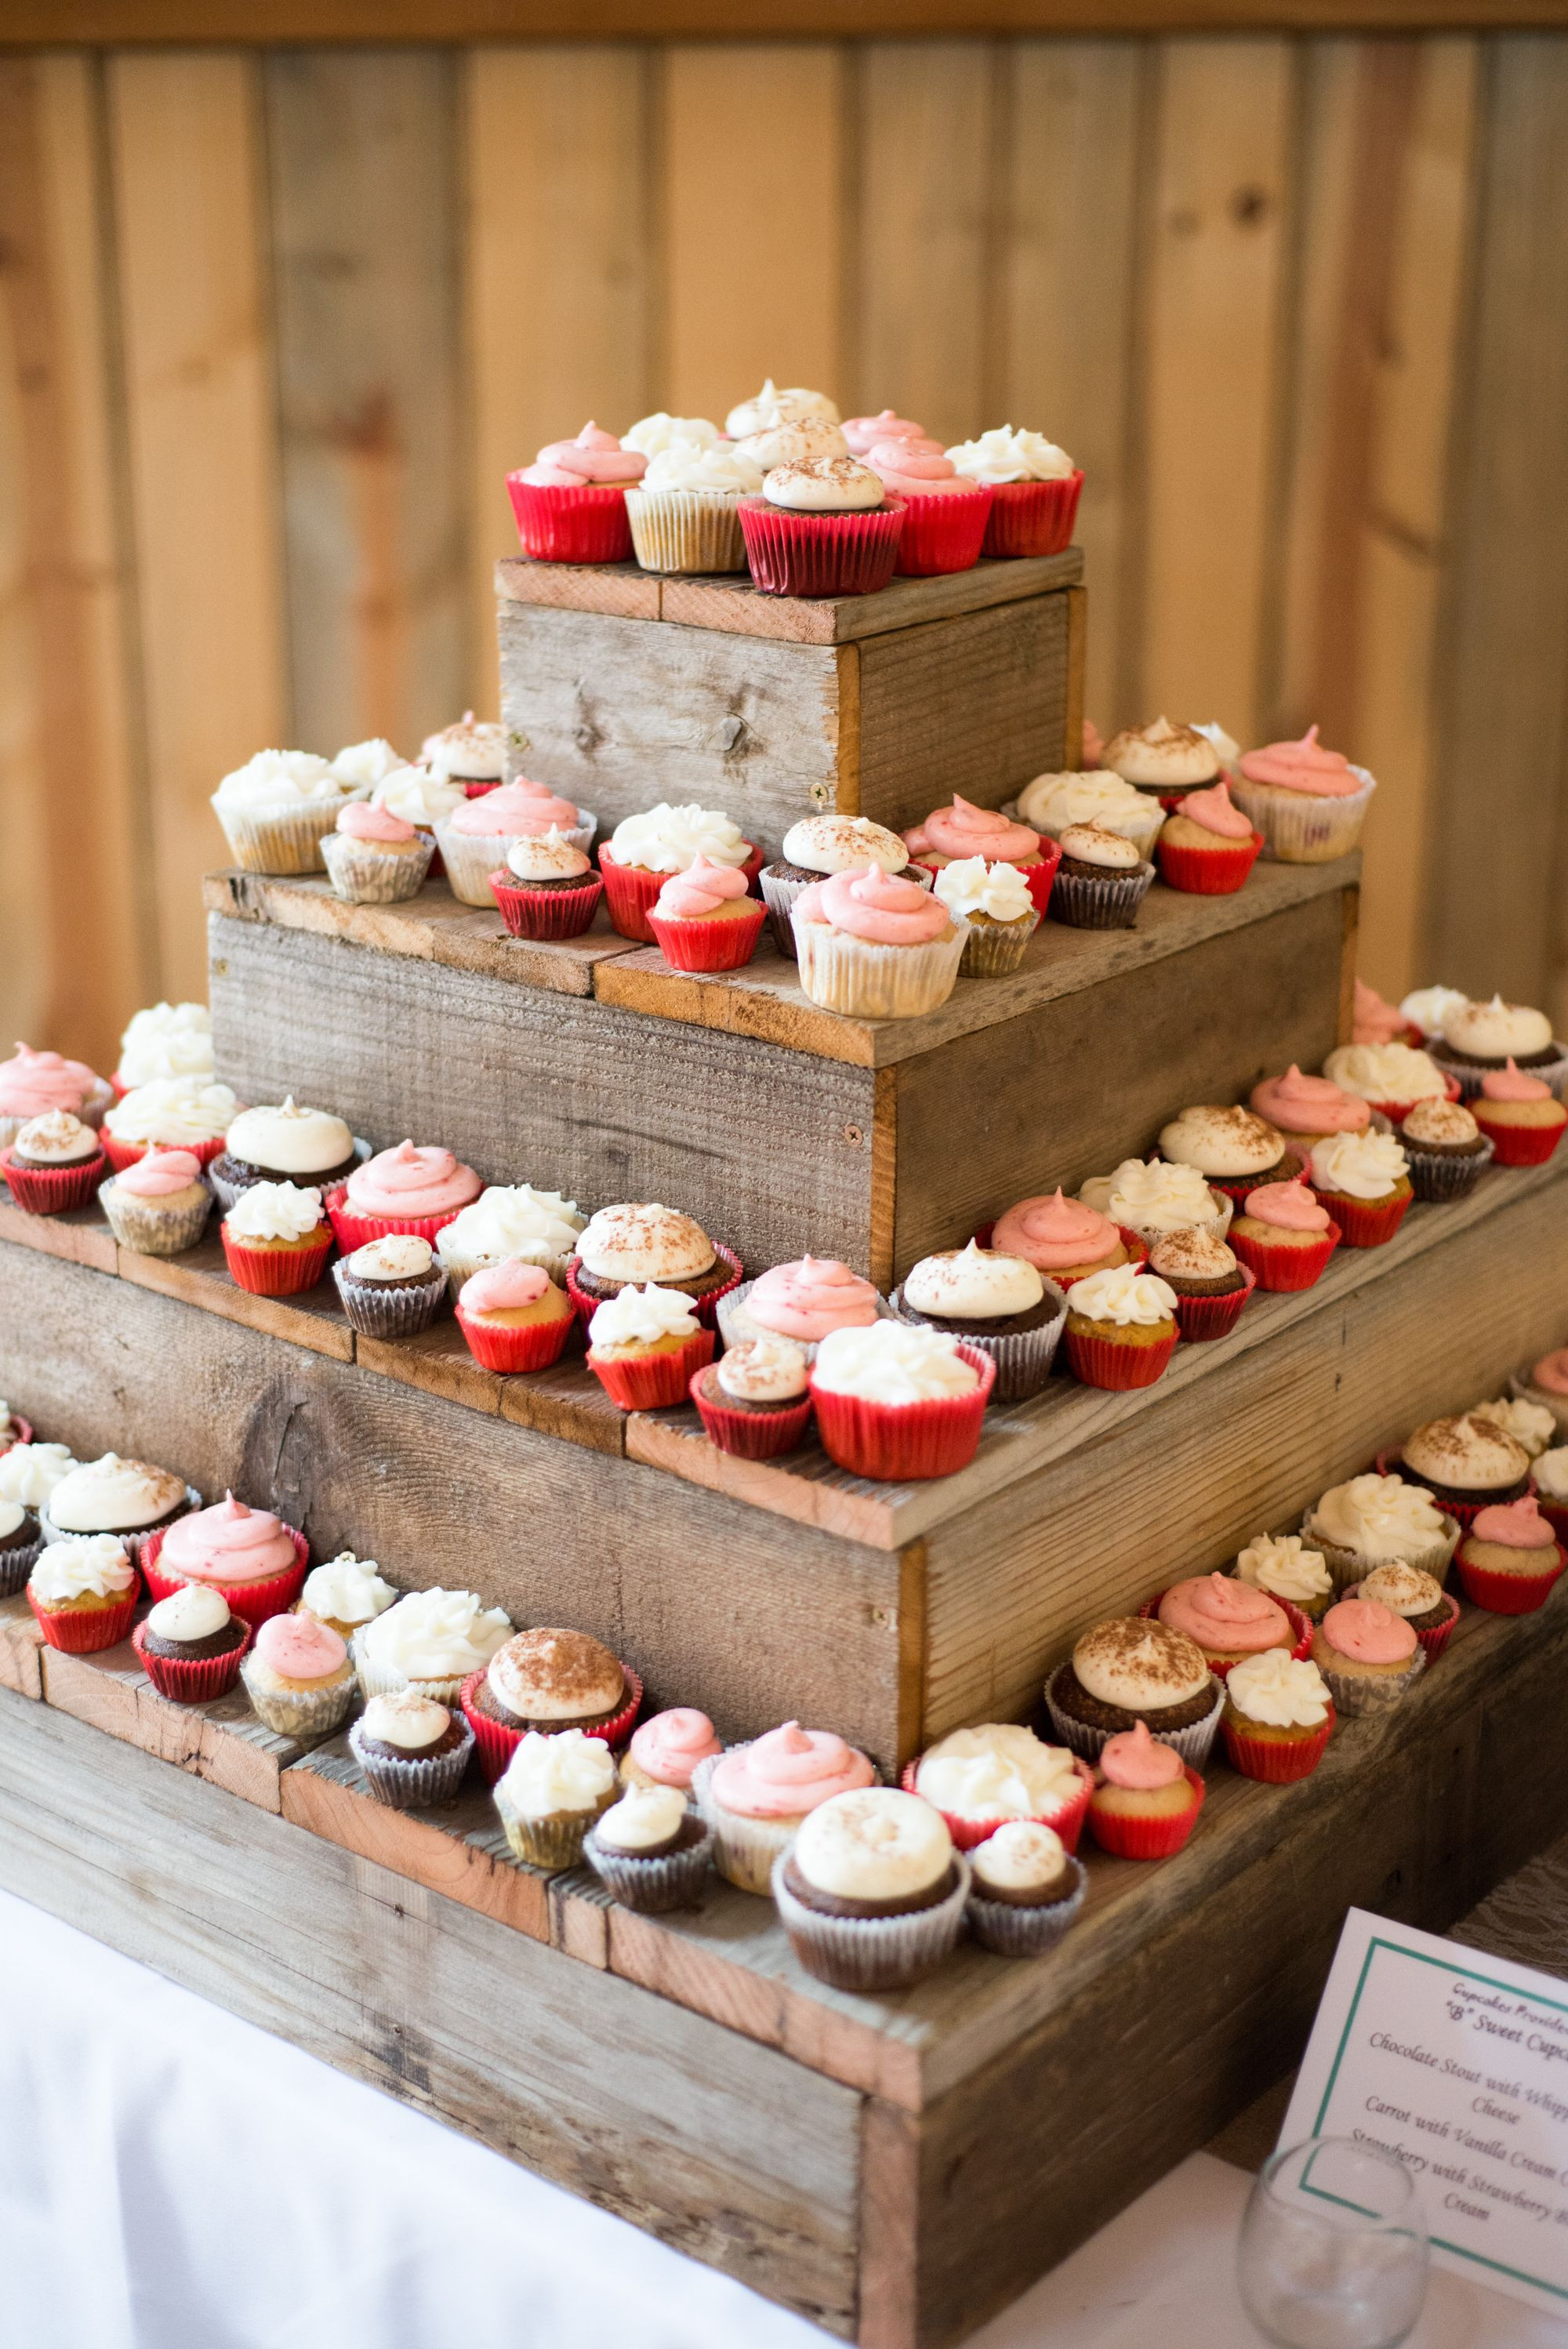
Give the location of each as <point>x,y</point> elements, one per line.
<point>872,1953</point>
<point>18,1564</point>
<point>1194,1743</point>
<point>1008,1931</point>
<point>1359,1692</point>
<point>1022,1357</point>
<point>367,875</point>
<point>379,1311</point>
<point>418,1782</point>
<point>148,1229</point>
<point>552,1843</point>
<point>652,1887</point>
<point>1437,1179</point>
<point>1108,905</point>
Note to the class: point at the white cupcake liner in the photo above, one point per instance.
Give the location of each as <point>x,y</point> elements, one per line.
<point>368,874</point>
<point>736,1328</point>
<point>226,1193</point>
<point>872,1953</point>
<point>652,1887</point>
<point>288,840</point>
<point>991,950</point>
<point>1304,827</point>
<point>1108,902</point>
<point>130,1542</point>
<point>551,1844</point>
<point>744,1850</point>
<point>1471,1075</point>
<point>459,1267</point>
<point>382,1679</point>
<point>1143,829</point>
<point>146,1228</point>
<point>17,1565</point>
<point>876,982</point>
<point>1011,1932</point>
<point>1193,1743</point>
<point>1518,1386</point>
<point>414,1781</point>
<point>1023,1359</point>
<point>470,858</point>
<point>686,530</point>
<point>298,1712</point>
<point>779,896</point>
<point>1348,1566</point>
<point>1359,1692</point>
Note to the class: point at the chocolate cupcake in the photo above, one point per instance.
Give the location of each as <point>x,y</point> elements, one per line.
<point>192,1644</point>
<point>1232,1149</point>
<point>412,1750</point>
<point>1478,1038</point>
<point>755,1402</point>
<point>629,1245</point>
<point>1445,1150</point>
<point>1101,880</point>
<point>1133,1668</point>
<point>551,1680</point>
<point>651,1849</point>
<point>1465,1463</point>
<point>20,1542</point>
<point>820,845</point>
<point>310,1147</point>
<point>391,1288</point>
<point>871,1892</point>
<point>998,1303</point>
<point>1026,1889</point>
<point>128,1499</point>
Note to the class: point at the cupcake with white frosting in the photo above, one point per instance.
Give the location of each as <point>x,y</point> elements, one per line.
<point>819,845</point>
<point>645,1345</point>
<point>547,888</point>
<point>1286,1567</point>
<point>1121,1328</point>
<point>1445,1149</point>
<point>276,1239</point>
<point>999,907</point>
<point>1155,1195</point>
<point>791,441</point>
<point>1465,1462</point>
<point>1478,1040</point>
<point>1101,880</point>
<point>55,1164</point>
<point>773,405</point>
<point>1278,1717</point>
<point>823,526</point>
<point>126,1498</point>
<point>276,810</point>
<point>1364,1180</point>
<point>512,1219</point>
<point>83,1591</point>
<point>1025,1888</point>
<point>650,436</point>
<point>1092,795</point>
<point>894,1401</point>
<point>391,1288</point>
<point>1132,1669</point>
<point>1234,1150</point>
<point>165,1039</point>
<point>644,850</point>
<point>1373,1520</point>
<point>981,1778</point>
<point>363,768</point>
<point>169,1113</point>
<point>469,755</point>
<point>1391,1076</point>
<point>549,1679</point>
<point>753,1401</point>
<point>346,1593</point>
<point>1533,1424</point>
<point>1161,759</point>
<point>871,1892</point>
<point>429,1640</point>
<point>21,1540</point>
<point>999,1304</point>
<point>1035,490</point>
<point>684,512</point>
<point>285,1142</point>
<point>638,1241</point>
<point>192,1643</point>
<point>651,1849</point>
<point>412,1750</point>
<point>552,1792</point>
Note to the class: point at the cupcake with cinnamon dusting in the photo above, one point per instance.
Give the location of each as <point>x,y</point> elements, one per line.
<point>1445,1149</point>
<point>1167,760</point>
<point>1133,1668</point>
<point>1464,1462</point>
<point>1210,1286</point>
<point>1234,1150</point>
<point>1101,880</point>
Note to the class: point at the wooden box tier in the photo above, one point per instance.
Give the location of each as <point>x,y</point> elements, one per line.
<point>594,1069</point>
<point>622,690</point>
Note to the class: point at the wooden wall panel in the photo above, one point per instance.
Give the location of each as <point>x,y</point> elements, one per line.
<point>364,178</point>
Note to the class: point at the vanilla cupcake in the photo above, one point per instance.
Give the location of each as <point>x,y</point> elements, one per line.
<point>1392,1077</point>
<point>276,810</point>
<point>998,905</point>
<point>1286,1567</point>
<point>373,856</point>
<point>346,1593</point>
<point>1153,1197</point>
<point>160,1206</point>
<point>166,1040</point>
<point>128,1499</point>
<point>650,436</point>
<point>999,1304</point>
<point>819,845</point>
<point>1373,1520</point>
<point>1101,880</point>
<point>430,1641</point>
<point>1368,1655</point>
<point>876,946</point>
<point>1364,1180</point>
<point>510,1219</point>
<point>550,1793</point>
<point>170,1114</point>
<point>684,512</point>
<point>1053,802</point>
<point>363,768</point>
<point>298,1677</point>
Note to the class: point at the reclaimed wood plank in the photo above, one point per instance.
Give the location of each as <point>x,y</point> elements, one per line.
<point>734,607</point>
<point>621,589</point>
<point>81,1236</point>
<point>201,1278</point>
<point>20,1641</point>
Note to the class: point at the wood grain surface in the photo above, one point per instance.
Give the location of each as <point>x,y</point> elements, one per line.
<point>33,22</point>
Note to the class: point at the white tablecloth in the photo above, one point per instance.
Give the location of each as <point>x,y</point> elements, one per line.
<point>173,2179</point>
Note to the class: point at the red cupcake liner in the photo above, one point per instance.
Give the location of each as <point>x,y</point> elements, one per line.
<point>581,525</point>
<point>191,1680</point>
<point>652,1382</point>
<point>1033,517</point>
<point>1277,1763</point>
<point>1038,877</point>
<point>1101,1362</point>
<point>475,786</point>
<point>944,533</point>
<point>352,1230</point>
<point>1518,1145</point>
<point>726,943</point>
<point>705,1308</point>
<point>545,913</point>
<point>254,1602</point>
<point>819,554</point>
<point>1367,1223</point>
<point>1148,1838</point>
<point>53,1190</point>
<point>78,1633</point>
<point>121,1154</point>
<point>1554,1511</point>
<point>1206,871</point>
<point>1065,1819</point>
<point>1200,1320</point>
<point>274,1272</point>
<point>496,1743</point>
<point>895,1443</point>
<point>1397,1112</point>
<point>630,892</point>
<point>751,1434</point>
<point>1281,1269</point>
<point>1299,1623</point>
<point>1388,1463</point>
<point>1435,1640</point>
<point>1506,1594</point>
<point>499,1346</point>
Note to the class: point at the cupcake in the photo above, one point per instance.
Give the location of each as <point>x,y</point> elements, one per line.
<point>510,1219</point>
<point>1121,1328</point>
<point>1132,1669</point>
<point>641,1242</point>
<point>283,1144</point>
<point>468,756</point>
<point>170,1114</point>
<point>876,946</point>
<point>1375,1020</point>
<point>946,511</point>
<point>250,1556</point>
<point>871,1892</point>
<point>755,1402</point>
<point>706,918</point>
<point>1234,1150</point>
<point>645,1346</point>
<point>1374,1520</point>
<point>83,1591</point>
<point>1094,795</point>
<point>1065,1238</point>
<point>821,844</point>
<point>997,903</point>
<point>1508,1559</point>
<point>392,1287</point>
<point>1418,1599</point>
<point>1287,1569</point>
<point>652,1850</point>
<point>21,1540</point>
<point>1305,1110</point>
<point>549,1681</point>
<point>1166,760</point>
<point>862,433</point>
<point>1445,1149</point>
<point>1520,1117</point>
<point>685,512</point>
<point>423,799</point>
<point>363,767</point>
<point>413,1751</point>
<point>782,440</point>
<point>1035,490</point>
<point>1391,1077</point>
<point>1425,1009</point>
<point>1309,804</point>
<point>547,888</point>
<point>999,1304</point>
<point>1533,1424</point>
<point>31,1083</point>
<point>430,1641</point>
<point>1101,880</point>
<point>550,1795</point>
<point>1025,1888</point>
<point>665,1749</point>
<point>55,1164</point>
<point>980,1778</point>
<point>1228,1619</point>
<point>191,1644</point>
<point>277,808</point>
<point>651,435</point>
<point>1146,1799</point>
<point>643,851</point>
<point>1278,1718</point>
<point>478,838</point>
<point>276,1241</point>
<point>127,1498</point>
<point>754,1796</point>
<point>1209,1284</point>
<point>158,1206</point>
<point>895,1402</point>
<point>1465,1463</point>
<point>513,1315</point>
<point>1363,1180</point>
<point>373,857</point>
<point>1284,1234</point>
<point>1545,1383</point>
<point>822,527</point>
<point>298,1677</point>
<point>802,1302</point>
<point>1479,1040</point>
<point>1368,1655</point>
<point>571,503</point>
<point>409,1189</point>
<point>30,1472</point>
<point>770,406</point>
<point>959,834</point>
<point>545,810</point>
<point>346,1593</point>
<point>165,1039</point>
<point>1209,847</point>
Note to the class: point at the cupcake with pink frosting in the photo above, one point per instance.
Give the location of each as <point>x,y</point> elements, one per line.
<point>953,834</point>
<point>706,918</point>
<point>250,1556</point>
<point>804,1301</point>
<point>1284,1234</point>
<point>1230,1620</point>
<point>158,1206</point>
<point>864,433</point>
<point>513,1317</point>
<point>1065,1238</point>
<point>1545,1382</point>
<point>33,1083</point>
<point>666,1748</point>
<point>1308,1109</point>
<point>1309,804</point>
<point>478,836</point>
<point>411,1188</point>
<point>1376,1020</point>
<point>1146,1799</point>
<point>298,1677</point>
<point>373,857</point>
<point>754,1796</point>
<point>1509,1557</point>
<point>570,503</point>
<point>1520,1115</point>
<point>1368,1655</point>
<point>1207,847</point>
<point>945,513</point>
<point>875,946</point>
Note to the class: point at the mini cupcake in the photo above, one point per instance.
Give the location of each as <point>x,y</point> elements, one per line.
<point>1285,1236</point>
<point>1035,486</point>
<point>895,1402</point>
<point>1530,1423</point>
<point>410,1189</point>
<point>980,1778</point>
<point>165,1039</point>
<point>171,1114</point>
<point>283,1144</point>
<point>373,857</point>
<point>997,903</point>
<point>550,1680</point>
<point>773,406</point>
<point>875,946</point>
<point>641,1241</point>
<point>392,1287</point>
<point>276,1241</point>
<point>1465,1463</point>
<point>298,1677</point>
<point>1425,1009</point>
<point>1065,1238</point>
<point>21,1540</point>
<point>1132,1669</point>
<point>413,1751</point>
<point>1146,1799</point>
<point>803,1301</point>
<point>754,1796</point>
<point>1391,1077</point>
<point>1480,1040</point>
<point>999,1304</point>
<point>685,512</point>
<point>1025,1888</point>
<point>1372,1521</point>
<point>1286,1568</point>
<point>571,503</point>
<point>422,798</point>
<point>83,1591</point>
<point>645,1346</point>
<point>1234,1150</point>
<point>1363,1180</point>
<point>1101,880</point>
<point>469,755</point>
<point>550,1795</point>
<point>1445,1149</point>
<point>29,1475</point>
<point>1211,1287</point>
<point>1368,1655</point>
<point>512,1219</point>
<point>128,1499</point>
<point>644,850</point>
<point>871,1893</point>
<point>665,1749</point>
<point>1375,1020</point>
<point>946,511</point>
<point>191,1645</point>
<point>821,844</point>
<point>1305,1110</point>
<point>650,435</point>
<point>346,1593</point>
<point>1093,795</point>
<point>1508,1559</point>
<point>1121,1329</point>
<point>1520,1117</point>
<point>822,527</point>
<point>706,918</point>
<point>478,838</point>
<point>432,1640</point>
<point>277,808</point>
<point>1430,1611</point>
<point>1278,1718</point>
<point>1208,847</point>
<point>55,1164</point>
<point>513,1317</point>
<point>1228,1619</point>
<point>160,1206</point>
<point>255,1561</point>
<point>1309,804</point>
<point>1166,760</point>
<point>547,888</point>
<point>755,1402</point>
<point>363,767</point>
<point>652,1850</point>
<point>31,1083</point>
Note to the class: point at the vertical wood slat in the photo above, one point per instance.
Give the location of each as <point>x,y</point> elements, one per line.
<point>558,166</point>
<point>67,770</point>
<point>363,173</point>
<point>200,424</point>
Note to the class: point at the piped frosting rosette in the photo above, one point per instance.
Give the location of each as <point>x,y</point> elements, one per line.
<point>570,504</point>
<point>874,946</point>
<point>895,1402</point>
<point>249,1556</point>
<point>1308,803</point>
<point>705,917</point>
<point>404,1189</point>
<point>946,513</point>
<point>804,1301</point>
<point>980,1778</point>
<point>1375,1519</point>
<point>684,512</point>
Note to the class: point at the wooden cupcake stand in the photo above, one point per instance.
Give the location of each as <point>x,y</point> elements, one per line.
<point>895,2169</point>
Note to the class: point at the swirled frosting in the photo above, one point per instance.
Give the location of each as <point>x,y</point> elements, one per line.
<point>1000,1771</point>
<point>160,1174</point>
<point>1378,1519</point>
<point>1360,1165</point>
<point>504,813</point>
<point>650,435</point>
<point>973,1284</point>
<point>172,1110</point>
<point>669,1746</point>
<point>194,1611</point>
<point>666,839</point>
<point>1287,1208</point>
<point>1403,1590</point>
<point>867,432</point>
<point>894,1363</point>
<point>1510,1083</point>
<point>510,1287</point>
<point>969,886</point>
<point>166,1040</point>
<point>275,1211</point>
<point>806,1299</point>
<point>641,1240</point>
<point>874,1843</point>
<point>1304,766</point>
<point>111,1495</point>
<point>765,1370</point>
<point>1298,1104</point>
<point>592,456</point>
<point>470,749</point>
<point>1214,811</point>
<point>1496,1030</point>
<point>1368,1633</point>
<point>1227,750</point>
<point>1094,795</point>
<point>228,1543</point>
<point>411,1181</point>
<point>773,405</point>
<point>1285,1566</point>
<point>787,1772</point>
<point>722,470</point>
<point>299,1647</point>
<point>546,807</point>
<point>1513,1525</point>
<point>641,1317</point>
<point>91,1566</point>
<point>555,1771</point>
<point>420,796</point>
<point>1055,1233</point>
<point>698,893</point>
<point>1276,1690</point>
<point>369,819</point>
<point>512,1219</point>
<point>965,830</point>
<point>823,485</point>
<point>1139,1762</point>
<point>1124,1297</point>
<point>363,766</point>
<point>347,1589</point>
<point>1374,1022</point>
<point>32,1082</point>
<point>277,780</point>
<point>435,1635</point>
<point>1386,1073</point>
<point>876,907</point>
<point>1530,1423</point>
<point>30,1472</point>
<point>1134,1661</point>
<point>1550,1472</point>
<point>844,844</point>
<point>1223,1142</point>
<point>1005,455</point>
<point>909,471</point>
<point>1427,1008</point>
<point>1225,1616</point>
<point>797,440</point>
<point>1153,1194</point>
<point>1161,753</point>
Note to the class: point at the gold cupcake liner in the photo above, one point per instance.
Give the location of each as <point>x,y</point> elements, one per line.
<point>288,842</point>
<point>877,982</point>
<point>365,873</point>
<point>554,1842</point>
<point>686,530</point>
<point>993,949</point>
<point>149,1229</point>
